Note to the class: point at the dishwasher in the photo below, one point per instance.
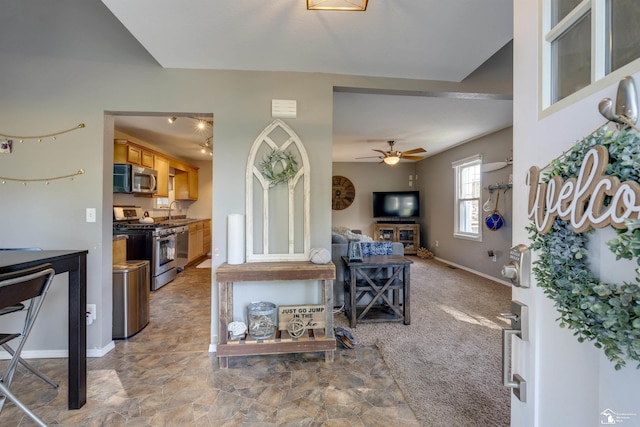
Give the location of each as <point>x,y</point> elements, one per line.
<point>182,246</point>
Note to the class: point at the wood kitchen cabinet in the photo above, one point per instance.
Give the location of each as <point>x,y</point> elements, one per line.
<point>186,175</point>
<point>127,152</point>
<point>196,241</point>
<point>206,236</point>
<point>186,184</point>
<point>407,234</point>
<point>161,165</point>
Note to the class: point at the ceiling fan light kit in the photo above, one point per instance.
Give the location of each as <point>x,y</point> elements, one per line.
<point>392,157</point>
<point>358,5</point>
<point>391,160</point>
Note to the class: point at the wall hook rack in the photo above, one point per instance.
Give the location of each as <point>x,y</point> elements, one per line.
<point>626,109</point>
<point>499,187</point>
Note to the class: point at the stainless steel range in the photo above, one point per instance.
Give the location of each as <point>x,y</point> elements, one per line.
<point>148,241</point>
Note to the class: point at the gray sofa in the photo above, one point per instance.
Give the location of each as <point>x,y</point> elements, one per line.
<point>339,248</point>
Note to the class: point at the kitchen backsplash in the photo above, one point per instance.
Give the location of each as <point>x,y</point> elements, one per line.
<point>180,208</point>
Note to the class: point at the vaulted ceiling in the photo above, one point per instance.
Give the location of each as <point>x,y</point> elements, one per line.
<point>415,39</point>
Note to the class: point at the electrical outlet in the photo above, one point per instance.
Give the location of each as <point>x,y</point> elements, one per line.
<point>91,311</point>
<point>91,214</point>
<point>437,243</point>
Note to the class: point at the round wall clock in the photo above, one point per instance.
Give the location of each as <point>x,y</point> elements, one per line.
<point>343,193</point>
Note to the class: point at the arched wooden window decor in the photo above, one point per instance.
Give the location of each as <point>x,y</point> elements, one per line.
<point>278,197</point>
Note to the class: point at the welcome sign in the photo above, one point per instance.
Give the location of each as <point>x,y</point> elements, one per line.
<point>593,185</point>
<point>581,200</point>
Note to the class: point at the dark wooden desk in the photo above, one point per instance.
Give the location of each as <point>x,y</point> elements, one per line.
<point>378,276</point>
<point>74,262</point>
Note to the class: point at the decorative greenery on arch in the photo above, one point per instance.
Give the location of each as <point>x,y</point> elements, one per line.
<point>608,314</point>
<point>285,160</point>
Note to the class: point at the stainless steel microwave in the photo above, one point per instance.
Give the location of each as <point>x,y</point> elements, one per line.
<point>134,179</point>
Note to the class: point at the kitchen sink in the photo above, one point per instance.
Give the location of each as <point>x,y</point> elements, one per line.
<point>179,221</point>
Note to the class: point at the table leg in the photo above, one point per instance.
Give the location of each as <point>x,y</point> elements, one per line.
<point>223,310</point>
<point>406,294</point>
<point>353,311</point>
<point>77,333</point>
<point>327,298</point>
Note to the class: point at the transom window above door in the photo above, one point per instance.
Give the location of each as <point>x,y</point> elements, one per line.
<point>585,41</point>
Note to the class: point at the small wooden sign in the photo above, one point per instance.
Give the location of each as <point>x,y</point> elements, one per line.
<point>313,316</point>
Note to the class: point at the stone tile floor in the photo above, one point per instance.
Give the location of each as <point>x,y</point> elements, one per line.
<point>165,376</point>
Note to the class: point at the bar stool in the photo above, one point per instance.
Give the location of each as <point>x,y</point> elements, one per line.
<point>17,288</point>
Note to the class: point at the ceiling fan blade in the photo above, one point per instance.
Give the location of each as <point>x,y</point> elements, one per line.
<point>412,157</point>
<point>369,157</point>
<point>414,151</point>
<point>380,151</point>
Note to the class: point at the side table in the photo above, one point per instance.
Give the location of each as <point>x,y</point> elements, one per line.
<point>313,341</point>
<point>382,278</point>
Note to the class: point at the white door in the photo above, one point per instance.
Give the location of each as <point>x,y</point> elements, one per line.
<point>568,383</point>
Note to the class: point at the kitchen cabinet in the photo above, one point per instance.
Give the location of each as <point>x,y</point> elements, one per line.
<point>407,234</point>
<point>161,165</point>
<point>127,152</point>
<point>206,236</point>
<point>196,241</point>
<point>186,183</point>
<point>186,175</point>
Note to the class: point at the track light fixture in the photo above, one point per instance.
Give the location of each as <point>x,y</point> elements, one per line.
<point>202,123</point>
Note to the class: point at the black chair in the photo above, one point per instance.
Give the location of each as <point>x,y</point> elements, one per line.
<point>17,288</point>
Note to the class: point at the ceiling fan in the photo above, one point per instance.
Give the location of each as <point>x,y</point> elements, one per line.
<point>391,157</point>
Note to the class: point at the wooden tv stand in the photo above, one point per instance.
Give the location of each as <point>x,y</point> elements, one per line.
<point>407,234</point>
<point>313,340</point>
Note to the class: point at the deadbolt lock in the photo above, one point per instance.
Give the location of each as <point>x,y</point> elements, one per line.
<point>519,268</point>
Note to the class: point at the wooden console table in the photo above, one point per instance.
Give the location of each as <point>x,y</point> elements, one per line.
<point>371,277</point>
<point>313,340</point>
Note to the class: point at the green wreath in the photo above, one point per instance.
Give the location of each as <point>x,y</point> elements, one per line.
<point>270,160</point>
<point>606,313</point>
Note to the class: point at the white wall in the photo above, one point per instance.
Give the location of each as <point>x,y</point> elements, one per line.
<point>569,383</point>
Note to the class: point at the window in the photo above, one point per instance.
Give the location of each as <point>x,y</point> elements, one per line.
<point>467,198</point>
<point>585,41</point>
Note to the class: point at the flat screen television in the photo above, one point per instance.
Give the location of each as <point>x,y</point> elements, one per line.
<point>396,204</point>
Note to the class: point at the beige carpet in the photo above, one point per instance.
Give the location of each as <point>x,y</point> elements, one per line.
<point>448,361</point>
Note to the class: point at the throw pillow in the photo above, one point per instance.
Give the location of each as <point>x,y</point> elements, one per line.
<point>376,248</point>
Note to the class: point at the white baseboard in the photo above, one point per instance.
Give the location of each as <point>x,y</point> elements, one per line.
<point>59,354</point>
<point>100,352</point>
<point>477,273</point>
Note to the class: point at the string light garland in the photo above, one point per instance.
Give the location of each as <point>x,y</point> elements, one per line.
<point>24,181</point>
<point>40,137</point>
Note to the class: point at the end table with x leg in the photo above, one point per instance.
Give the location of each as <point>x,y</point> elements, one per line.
<point>384,278</point>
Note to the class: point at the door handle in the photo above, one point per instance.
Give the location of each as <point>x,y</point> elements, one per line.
<point>517,383</point>
<point>519,317</point>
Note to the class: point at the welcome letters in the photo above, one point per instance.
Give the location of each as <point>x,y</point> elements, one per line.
<point>581,200</point>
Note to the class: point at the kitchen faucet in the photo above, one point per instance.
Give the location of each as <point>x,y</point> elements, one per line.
<point>171,204</point>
